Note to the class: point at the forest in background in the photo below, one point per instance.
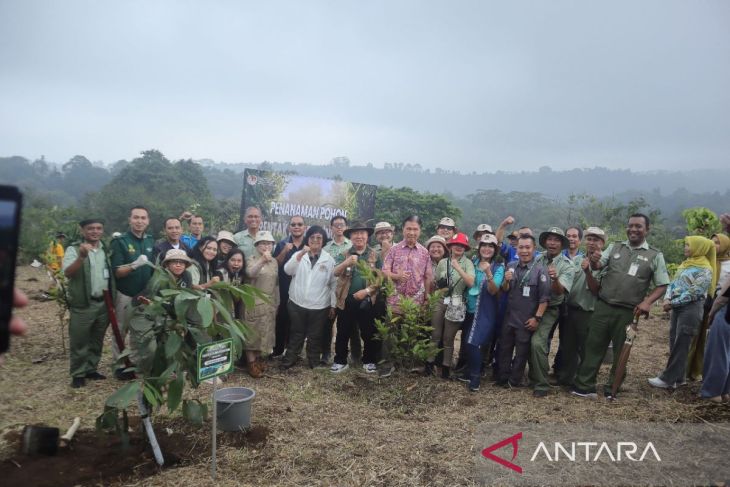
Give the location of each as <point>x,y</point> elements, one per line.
<point>57,194</point>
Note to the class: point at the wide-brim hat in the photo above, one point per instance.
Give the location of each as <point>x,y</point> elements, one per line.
<point>447,222</point>
<point>439,240</point>
<point>596,232</point>
<point>459,239</point>
<point>227,236</point>
<point>357,227</point>
<point>481,228</point>
<point>263,236</point>
<point>382,226</point>
<point>176,254</point>
<point>558,232</point>
<point>488,239</point>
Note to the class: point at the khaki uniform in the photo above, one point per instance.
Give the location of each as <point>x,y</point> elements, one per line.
<point>627,275</point>
<point>262,317</point>
<point>539,347</point>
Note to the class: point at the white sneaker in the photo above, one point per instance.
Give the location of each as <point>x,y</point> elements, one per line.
<point>337,368</point>
<point>657,382</point>
<point>369,368</point>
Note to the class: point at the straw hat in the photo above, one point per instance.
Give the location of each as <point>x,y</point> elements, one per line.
<point>264,236</point>
<point>176,254</point>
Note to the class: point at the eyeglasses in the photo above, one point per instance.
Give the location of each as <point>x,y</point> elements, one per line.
<point>446,227</point>
<point>177,262</point>
<point>339,225</point>
<point>296,224</point>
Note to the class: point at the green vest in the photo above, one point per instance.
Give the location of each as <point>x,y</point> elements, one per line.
<point>78,288</point>
<point>617,286</point>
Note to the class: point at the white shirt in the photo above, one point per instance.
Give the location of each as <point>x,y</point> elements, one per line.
<point>312,287</point>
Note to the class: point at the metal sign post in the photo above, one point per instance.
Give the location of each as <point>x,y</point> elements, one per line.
<point>214,359</point>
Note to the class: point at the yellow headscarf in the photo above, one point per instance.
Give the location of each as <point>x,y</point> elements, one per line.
<point>724,253</point>
<point>701,254</point>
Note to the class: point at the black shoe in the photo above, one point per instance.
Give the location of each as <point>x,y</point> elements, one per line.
<point>78,382</point>
<point>428,370</point>
<point>473,388</point>
<point>95,376</point>
<point>445,373</point>
<point>120,374</point>
<point>501,382</point>
<point>582,393</point>
<point>539,393</point>
<point>463,378</point>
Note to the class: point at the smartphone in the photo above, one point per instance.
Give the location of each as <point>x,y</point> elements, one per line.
<point>10,203</point>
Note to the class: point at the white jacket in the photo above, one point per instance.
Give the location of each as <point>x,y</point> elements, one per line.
<point>312,288</point>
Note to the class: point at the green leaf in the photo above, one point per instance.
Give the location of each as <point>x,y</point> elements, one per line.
<point>168,292</point>
<point>223,311</point>
<point>123,396</point>
<point>172,345</point>
<point>174,393</point>
<point>194,411</point>
<point>205,309</point>
<point>151,394</point>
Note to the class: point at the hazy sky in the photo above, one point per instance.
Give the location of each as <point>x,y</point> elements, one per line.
<point>468,85</point>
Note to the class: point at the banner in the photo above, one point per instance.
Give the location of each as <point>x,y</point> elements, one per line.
<point>281,196</point>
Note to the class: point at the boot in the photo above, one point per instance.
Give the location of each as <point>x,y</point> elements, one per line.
<point>445,373</point>
<point>428,370</point>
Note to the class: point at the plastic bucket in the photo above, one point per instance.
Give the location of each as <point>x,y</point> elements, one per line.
<point>234,408</point>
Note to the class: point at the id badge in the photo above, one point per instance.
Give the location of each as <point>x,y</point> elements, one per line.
<point>105,273</point>
<point>526,291</point>
<point>633,269</point>
<point>447,300</point>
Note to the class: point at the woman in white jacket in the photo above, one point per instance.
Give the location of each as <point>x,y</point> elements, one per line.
<point>311,297</point>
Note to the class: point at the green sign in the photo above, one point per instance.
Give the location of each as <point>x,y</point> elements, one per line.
<point>214,359</point>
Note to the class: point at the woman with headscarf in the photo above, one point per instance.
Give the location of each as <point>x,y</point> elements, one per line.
<point>696,350</point>
<point>481,311</point>
<point>696,278</point>
<point>203,269</point>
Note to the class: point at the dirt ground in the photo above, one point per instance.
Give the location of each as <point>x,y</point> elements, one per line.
<point>310,427</point>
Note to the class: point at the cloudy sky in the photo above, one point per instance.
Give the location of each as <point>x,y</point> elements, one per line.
<point>469,85</point>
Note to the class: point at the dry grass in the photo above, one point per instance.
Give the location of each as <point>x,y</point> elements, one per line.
<point>346,429</point>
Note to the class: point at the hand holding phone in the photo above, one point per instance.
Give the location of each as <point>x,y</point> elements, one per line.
<point>10,203</point>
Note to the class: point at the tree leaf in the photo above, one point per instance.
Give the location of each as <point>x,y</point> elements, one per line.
<point>124,396</point>
<point>205,309</point>
<point>194,411</point>
<point>151,394</point>
<point>172,345</point>
<point>174,393</point>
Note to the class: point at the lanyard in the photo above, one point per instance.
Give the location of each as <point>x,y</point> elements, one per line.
<point>448,275</point>
<point>527,274</point>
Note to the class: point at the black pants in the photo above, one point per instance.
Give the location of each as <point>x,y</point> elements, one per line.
<point>349,319</point>
<point>517,340</point>
<point>282,329</point>
<point>306,324</point>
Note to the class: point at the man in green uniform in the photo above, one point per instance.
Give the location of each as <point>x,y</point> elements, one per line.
<point>561,272</point>
<point>130,252</point>
<point>629,268</point>
<point>88,269</point>
<point>581,302</point>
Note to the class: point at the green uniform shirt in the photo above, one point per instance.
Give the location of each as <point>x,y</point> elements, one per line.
<point>566,274</point>
<point>97,265</point>
<point>358,282</point>
<point>459,286</point>
<point>124,250</point>
<point>628,272</point>
<point>580,295</point>
<point>244,240</point>
<point>336,250</point>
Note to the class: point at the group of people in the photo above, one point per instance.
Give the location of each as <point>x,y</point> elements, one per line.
<point>506,296</point>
